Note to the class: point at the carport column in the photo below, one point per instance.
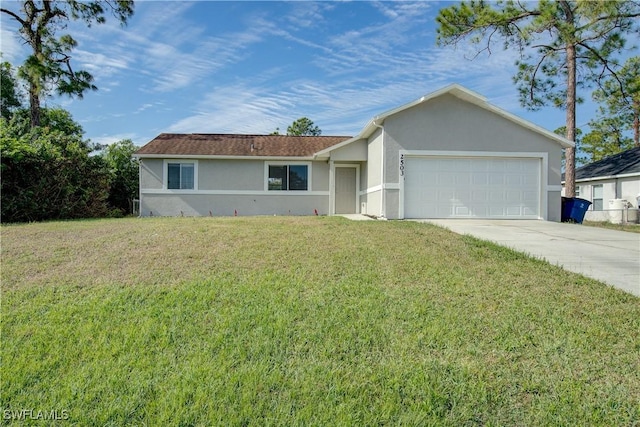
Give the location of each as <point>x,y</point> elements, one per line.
<point>332,187</point>
<point>383,211</point>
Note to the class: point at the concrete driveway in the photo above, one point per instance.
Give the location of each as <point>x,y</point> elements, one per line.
<point>611,256</point>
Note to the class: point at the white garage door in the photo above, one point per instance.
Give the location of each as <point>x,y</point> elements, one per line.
<point>480,187</point>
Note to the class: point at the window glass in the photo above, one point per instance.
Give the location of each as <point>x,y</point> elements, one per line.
<point>298,177</point>
<point>288,177</point>
<point>181,176</point>
<point>173,176</point>
<point>277,177</point>
<point>186,177</point>
<point>597,198</point>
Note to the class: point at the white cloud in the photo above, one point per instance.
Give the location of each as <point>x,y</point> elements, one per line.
<point>10,45</point>
<point>241,77</point>
<point>308,14</point>
<point>239,108</point>
<point>112,139</point>
<point>361,72</point>
<point>99,64</point>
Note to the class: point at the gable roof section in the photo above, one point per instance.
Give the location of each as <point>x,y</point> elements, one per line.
<point>230,145</point>
<point>468,96</point>
<point>196,145</point>
<point>626,162</point>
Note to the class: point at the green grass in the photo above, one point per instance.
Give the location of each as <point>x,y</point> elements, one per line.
<point>305,321</point>
<point>634,228</point>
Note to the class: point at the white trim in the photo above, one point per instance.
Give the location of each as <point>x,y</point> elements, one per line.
<point>216,157</point>
<point>287,163</point>
<point>510,154</point>
<point>233,192</point>
<point>165,173</point>
<point>380,187</point>
<point>543,184</point>
<point>554,187</point>
<point>608,177</point>
<point>332,187</point>
<point>370,190</point>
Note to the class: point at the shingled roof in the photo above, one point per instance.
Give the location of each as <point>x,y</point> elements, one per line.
<point>625,162</point>
<point>199,144</point>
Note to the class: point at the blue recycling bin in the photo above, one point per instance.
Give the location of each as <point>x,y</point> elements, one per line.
<point>574,209</point>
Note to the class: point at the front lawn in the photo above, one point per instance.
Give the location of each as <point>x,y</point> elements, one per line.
<point>634,228</point>
<point>304,321</point>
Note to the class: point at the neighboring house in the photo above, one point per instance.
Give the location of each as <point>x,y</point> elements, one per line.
<point>609,180</point>
<point>449,154</point>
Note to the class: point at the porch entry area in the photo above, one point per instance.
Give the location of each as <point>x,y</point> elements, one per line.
<point>346,189</point>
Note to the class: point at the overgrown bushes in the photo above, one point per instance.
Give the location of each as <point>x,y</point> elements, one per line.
<point>50,174</point>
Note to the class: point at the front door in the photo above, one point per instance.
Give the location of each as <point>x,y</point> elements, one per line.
<point>346,191</point>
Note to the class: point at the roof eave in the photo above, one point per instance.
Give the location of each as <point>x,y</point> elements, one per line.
<point>220,157</point>
<point>606,177</point>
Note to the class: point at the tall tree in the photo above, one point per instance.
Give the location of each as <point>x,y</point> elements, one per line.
<point>619,112</point>
<point>9,96</point>
<point>557,41</point>
<point>580,158</point>
<point>303,127</point>
<point>605,138</point>
<point>49,65</point>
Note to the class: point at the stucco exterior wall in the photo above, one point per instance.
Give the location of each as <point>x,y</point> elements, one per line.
<point>374,159</point>
<point>151,173</point>
<point>627,188</point>
<point>554,206</point>
<point>448,123</point>
<point>231,175</point>
<point>372,192</point>
<point>370,203</point>
<point>227,205</point>
<point>622,188</point>
<point>355,151</point>
<point>228,185</point>
<point>630,190</point>
<point>320,176</point>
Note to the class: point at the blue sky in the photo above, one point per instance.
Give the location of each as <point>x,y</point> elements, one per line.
<point>252,67</point>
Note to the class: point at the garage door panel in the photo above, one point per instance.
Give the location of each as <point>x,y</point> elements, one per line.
<point>463,179</point>
<point>513,196</point>
<point>480,178</point>
<point>514,180</point>
<point>462,211</point>
<point>472,187</point>
<point>513,211</point>
<point>496,178</point>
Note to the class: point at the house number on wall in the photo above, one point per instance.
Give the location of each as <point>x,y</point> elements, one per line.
<point>401,164</point>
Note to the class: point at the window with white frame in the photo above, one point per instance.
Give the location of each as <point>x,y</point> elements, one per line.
<point>181,175</point>
<point>287,177</point>
<point>596,199</point>
<point>577,192</point>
